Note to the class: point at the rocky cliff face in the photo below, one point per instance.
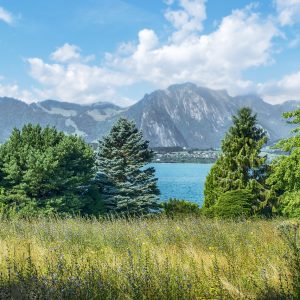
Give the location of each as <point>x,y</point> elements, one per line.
<point>191,116</point>
<point>182,115</point>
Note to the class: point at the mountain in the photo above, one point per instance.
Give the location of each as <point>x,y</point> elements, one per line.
<point>182,115</point>
<point>192,116</point>
<point>84,120</point>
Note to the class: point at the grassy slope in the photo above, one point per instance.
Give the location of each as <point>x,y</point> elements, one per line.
<point>144,259</point>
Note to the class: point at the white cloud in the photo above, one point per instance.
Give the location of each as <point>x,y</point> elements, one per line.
<point>287,88</point>
<point>14,91</point>
<point>5,16</point>
<point>187,20</point>
<point>147,40</point>
<point>243,40</point>
<point>288,11</point>
<point>65,53</point>
<point>68,53</point>
<point>76,81</point>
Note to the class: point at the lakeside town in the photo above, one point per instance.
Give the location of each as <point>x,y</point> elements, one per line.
<point>185,155</point>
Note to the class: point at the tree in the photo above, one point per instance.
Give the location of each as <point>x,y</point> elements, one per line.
<point>285,176</point>
<point>290,204</point>
<point>128,186</point>
<point>233,204</point>
<point>240,167</point>
<point>46,170</point>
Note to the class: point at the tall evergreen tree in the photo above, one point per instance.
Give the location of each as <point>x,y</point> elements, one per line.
<point>240,167</point>
<point>128,186</point>
<point>285,175</point>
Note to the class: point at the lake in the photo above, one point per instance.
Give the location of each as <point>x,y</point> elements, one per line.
<point>181,180</point>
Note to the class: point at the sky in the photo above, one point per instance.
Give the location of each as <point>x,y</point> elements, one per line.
<point>118,50</point>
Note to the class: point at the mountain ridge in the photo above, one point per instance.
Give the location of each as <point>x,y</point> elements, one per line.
<point>181,115</point>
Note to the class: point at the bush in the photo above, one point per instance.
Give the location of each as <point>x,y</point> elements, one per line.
<point>234,204</point>
<point>175,207</point>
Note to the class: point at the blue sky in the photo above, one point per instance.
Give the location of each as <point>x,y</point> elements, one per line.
<point>118,50</point>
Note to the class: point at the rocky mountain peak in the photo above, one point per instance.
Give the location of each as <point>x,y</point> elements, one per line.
<point>181,115</point>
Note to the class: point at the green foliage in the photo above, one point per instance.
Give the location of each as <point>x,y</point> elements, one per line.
<point>290,233</point>
<point>148,258</point>
<point>128,185</point>
<point>285,176</point>
<point>212,190</point>
<point>45,170</point>
<point>176,207</point>
<point>233,204</point>
<point>290,204</point>
<point>240,166</point>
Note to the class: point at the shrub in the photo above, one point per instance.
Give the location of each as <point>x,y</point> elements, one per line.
<point>234,204</point>
<point>175,207</point>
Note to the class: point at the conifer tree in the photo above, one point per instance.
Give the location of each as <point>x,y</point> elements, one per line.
<point>285,175</point>
<point>127,185</point>
<point>240,166</point>
<point>42,169</point>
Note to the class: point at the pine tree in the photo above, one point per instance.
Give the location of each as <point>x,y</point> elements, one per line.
<point>128,186</point>
<point>240,167</point>
<point>46,170</point>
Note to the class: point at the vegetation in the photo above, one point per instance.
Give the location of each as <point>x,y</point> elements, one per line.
<point>233,204</point>
<point>128,187</point>
<point>285,175</point>
<point>157,258</point>
<point>180,208</point>
<point>240,167</point>
<point>43,170</point>
<point>128,253</point>
<point>290,204</point>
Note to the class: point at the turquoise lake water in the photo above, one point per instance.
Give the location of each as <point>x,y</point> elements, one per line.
<point>181,180</point>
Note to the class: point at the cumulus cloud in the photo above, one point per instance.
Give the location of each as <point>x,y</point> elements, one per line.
<point>243,40</point>
<point>287,88</point>
<point>187,20</point>
<point>68,53</point>
<point>5,16</point>
<point>14,91</point>
<point>288,11</point>
<point>76,81</point>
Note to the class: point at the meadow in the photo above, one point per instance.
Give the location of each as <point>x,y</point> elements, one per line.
<point>156,258</point>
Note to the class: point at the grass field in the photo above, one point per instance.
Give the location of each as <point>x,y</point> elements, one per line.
<point>149,259</point>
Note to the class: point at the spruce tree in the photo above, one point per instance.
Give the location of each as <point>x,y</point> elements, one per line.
<point>128,186</point>
<point>240,166</point>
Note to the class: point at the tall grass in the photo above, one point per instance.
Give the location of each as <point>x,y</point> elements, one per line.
<point>159,258</point>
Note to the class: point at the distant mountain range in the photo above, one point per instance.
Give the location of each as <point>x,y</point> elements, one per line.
<point>182,115</point>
